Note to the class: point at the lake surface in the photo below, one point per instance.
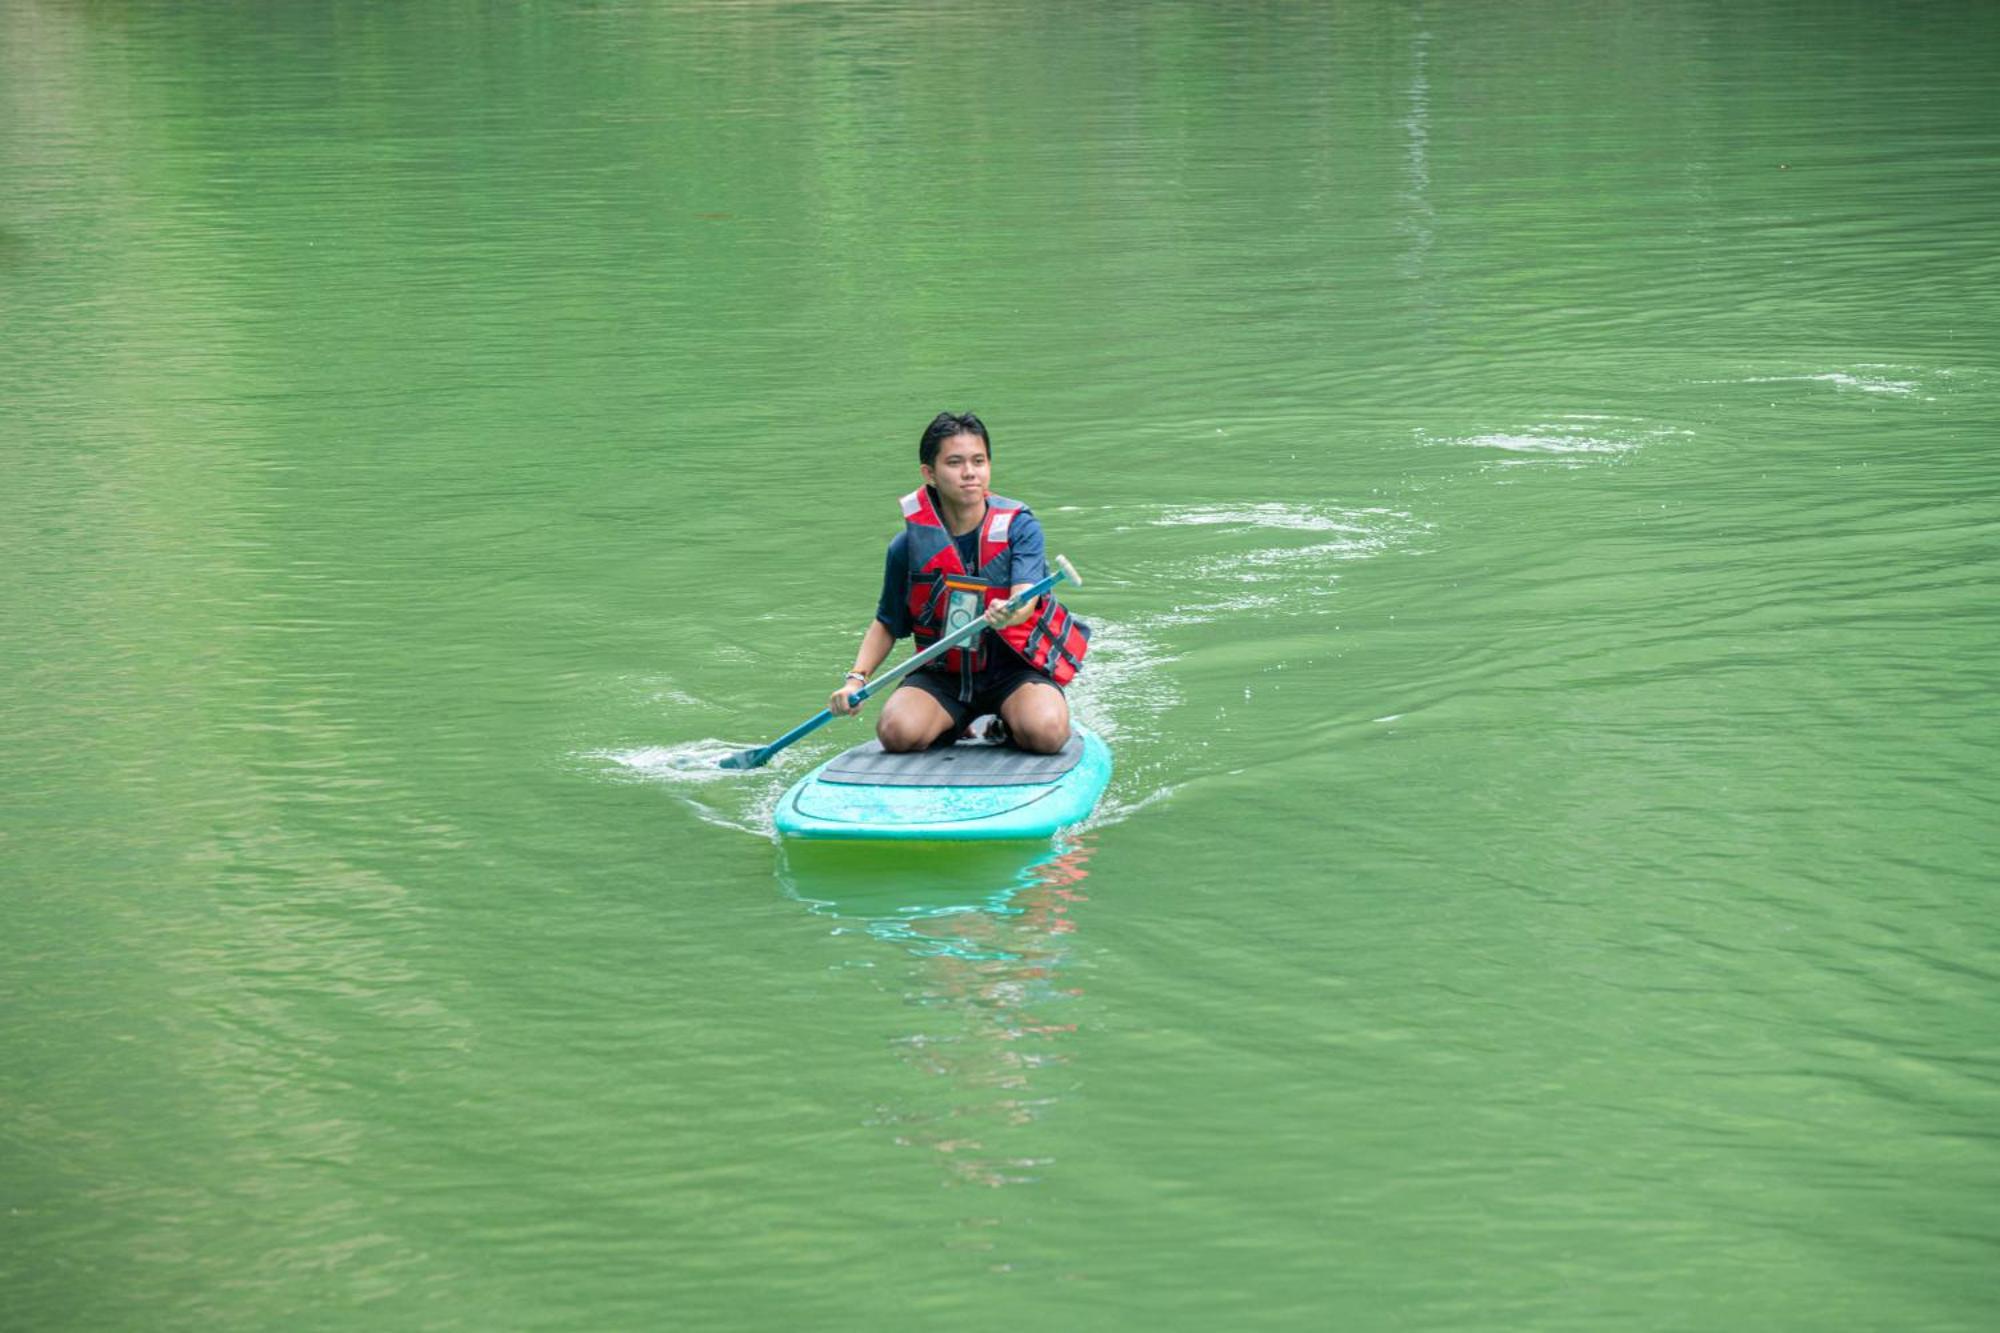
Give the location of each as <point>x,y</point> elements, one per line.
<point>1533,472</point>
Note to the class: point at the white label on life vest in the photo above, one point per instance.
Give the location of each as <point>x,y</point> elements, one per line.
<point>997,530</point>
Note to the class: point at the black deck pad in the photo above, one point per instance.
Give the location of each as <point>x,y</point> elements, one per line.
<point>967,764</point>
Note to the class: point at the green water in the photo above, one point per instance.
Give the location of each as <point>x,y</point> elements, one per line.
<point>1532,467</point>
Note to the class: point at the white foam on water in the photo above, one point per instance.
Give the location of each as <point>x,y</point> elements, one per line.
<point>1307,518</point>
<point>1572,439</point>
<point>1267,580</point>
<point>1290,575</point>
<point>1218,608</point>
<point>1275,562</point>
<point>1841,379</point>
<point>1234,561</point>
<point>1113,810</point>
<point>692,772</point>
<point>1122,679</point>
<point>694,761</point>
<point>1547,444</point>
<point>1871,377</point>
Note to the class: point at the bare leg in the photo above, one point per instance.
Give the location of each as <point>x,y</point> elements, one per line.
<point>1038,716</point>
<point>910,720</point>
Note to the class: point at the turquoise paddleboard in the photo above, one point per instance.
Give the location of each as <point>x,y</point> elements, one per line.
<point>971,790</point>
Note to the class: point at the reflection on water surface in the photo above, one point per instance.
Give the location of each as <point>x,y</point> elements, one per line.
<point>986,935</point>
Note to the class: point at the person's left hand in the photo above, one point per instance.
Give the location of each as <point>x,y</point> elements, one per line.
<point>997,617</point>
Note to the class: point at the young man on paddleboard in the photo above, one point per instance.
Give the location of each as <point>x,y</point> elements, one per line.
<point>962,553</point>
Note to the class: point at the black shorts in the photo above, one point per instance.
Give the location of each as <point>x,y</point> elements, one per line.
<point>989,690</point>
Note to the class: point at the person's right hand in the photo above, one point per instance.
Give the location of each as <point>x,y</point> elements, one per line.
<point>838,704</point>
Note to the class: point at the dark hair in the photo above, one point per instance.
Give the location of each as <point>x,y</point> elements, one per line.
<point>943,426</point>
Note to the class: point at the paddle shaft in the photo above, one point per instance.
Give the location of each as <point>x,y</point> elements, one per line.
<point>762,755</point>
<point>950,641</point>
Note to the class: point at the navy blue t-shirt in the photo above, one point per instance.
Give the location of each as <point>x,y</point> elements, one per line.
<point>1029,565</point>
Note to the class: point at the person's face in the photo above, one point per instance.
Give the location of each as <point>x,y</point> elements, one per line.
<point>961,471</point>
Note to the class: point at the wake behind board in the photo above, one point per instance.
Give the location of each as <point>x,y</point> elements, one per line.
<point>971,790</point>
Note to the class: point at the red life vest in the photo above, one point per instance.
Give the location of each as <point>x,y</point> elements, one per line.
<point>944,594</point>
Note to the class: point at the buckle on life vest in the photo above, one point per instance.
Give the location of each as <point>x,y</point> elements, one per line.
<point>927,595</point>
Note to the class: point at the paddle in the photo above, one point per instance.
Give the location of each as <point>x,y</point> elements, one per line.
<point>760,756</point>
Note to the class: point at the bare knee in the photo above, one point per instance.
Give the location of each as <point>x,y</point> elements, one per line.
<point>910,723</point>
<point>1038,718</point>
<point>1041,730</point>
<point>1043,737</point>
<point>901,735</point>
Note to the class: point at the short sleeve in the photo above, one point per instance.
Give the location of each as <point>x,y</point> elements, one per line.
<point>893,607</point>
<point>1029,563</point>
